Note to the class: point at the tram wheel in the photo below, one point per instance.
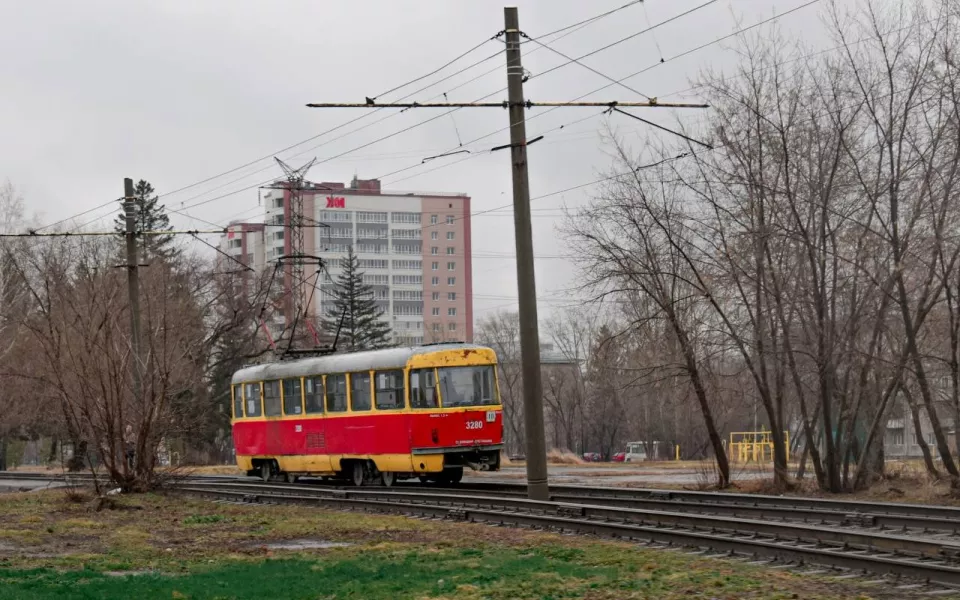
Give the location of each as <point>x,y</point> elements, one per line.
<point>451,476</point>
<point>359,473</point>
<point>266,471</point>
<point>387,478</point>
<point>292,478</point>
<point>456,475</point>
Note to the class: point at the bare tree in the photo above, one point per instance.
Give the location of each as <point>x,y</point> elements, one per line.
<point>636,240</point>
<point>501,331</point>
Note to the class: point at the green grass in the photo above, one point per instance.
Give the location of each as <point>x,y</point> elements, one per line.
<point>545,573</point>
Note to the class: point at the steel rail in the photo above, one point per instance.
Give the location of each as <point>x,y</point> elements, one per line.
<point>884,516</point>
<point>803,532</point>
<point>587,520</point>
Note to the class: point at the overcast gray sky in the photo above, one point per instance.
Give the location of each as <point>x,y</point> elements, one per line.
<point>177,91</point>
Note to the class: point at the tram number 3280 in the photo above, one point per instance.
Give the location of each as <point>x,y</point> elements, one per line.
<point>474,424</point>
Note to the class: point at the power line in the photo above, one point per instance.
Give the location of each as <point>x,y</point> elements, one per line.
<point>302,142</point>
<point>578,26</point>
<point>435,71</point>
<point>629,37</point>
<point>662,61</point>
<point>594,18</point>
<point>587,67</point>
<point>86,212</point>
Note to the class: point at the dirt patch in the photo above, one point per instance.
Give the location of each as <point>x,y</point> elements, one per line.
<point>304,545</point>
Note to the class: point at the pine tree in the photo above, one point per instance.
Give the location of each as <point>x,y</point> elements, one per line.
<point>363,327</point>
<point>151,216</point>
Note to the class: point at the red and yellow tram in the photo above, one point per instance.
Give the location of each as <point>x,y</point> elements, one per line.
<point>376,416</point>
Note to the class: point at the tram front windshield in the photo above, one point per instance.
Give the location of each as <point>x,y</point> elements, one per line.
<point>467,386</point>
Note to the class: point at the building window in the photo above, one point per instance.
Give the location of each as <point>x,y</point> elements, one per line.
<point>408,265</point>
<point>437,326</point>
<point>451,312</point>
<point>436,296</point>
<point>452,326</point>
<point>408,280</point>
<point>451,281</point>
<point>372,234</point>
<point>434,235</point>
<point>370,263</point>
<point>435,281</point>
<point>405,217</point>
<point>371,217</point>
<point>407,294</point>
<point>277,202</point>
<point>435,266</point>
<point>338,216</point>
<point>433,219</point>
<point>450,219</point>
<point>408,234</point>
<point>451,266</point>
<point>435,311</point>
<point>452,296</point>
<point>434,250</point>
<point>449,235</point>
<point>451,250</point>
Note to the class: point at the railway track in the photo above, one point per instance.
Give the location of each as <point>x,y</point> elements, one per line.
<point>911,519</point>
<point>916,542</point>
<point>929,561</point>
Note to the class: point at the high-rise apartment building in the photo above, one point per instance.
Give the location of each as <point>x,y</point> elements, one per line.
<point>414,251</point>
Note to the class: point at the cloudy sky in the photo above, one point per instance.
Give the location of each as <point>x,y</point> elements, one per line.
<point>179,91</point>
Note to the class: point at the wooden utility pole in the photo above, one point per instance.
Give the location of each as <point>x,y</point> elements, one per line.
<point>536,447</point>
<point>133,285</point>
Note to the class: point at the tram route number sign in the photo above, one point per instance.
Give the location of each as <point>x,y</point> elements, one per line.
<point>491,416</point>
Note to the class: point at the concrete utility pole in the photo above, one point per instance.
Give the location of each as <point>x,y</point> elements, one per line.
<point>133,284</point>
<point>529,331</point>
<point>536,447</point>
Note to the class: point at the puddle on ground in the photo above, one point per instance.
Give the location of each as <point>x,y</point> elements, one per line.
<point>304,544</point>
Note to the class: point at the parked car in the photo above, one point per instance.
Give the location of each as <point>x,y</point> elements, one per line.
<point>619,457</point>
<point>592,456</point>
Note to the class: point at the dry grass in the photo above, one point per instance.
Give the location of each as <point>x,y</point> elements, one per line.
<point>563,457</point>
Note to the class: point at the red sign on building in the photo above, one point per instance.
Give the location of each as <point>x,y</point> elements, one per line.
<point>336,202</point>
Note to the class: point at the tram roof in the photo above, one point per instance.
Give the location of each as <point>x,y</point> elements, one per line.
<point>388,358</point>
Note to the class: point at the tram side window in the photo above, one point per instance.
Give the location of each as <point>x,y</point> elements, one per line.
<point>291,397</point>
<point>336,393</point>
<point>251,393</point>
<point>389,389</point>
<point>237,401</point>
<point>271,398</point>
<point>423,389</point>
<point>360,391</point>
<point>313,388</point>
